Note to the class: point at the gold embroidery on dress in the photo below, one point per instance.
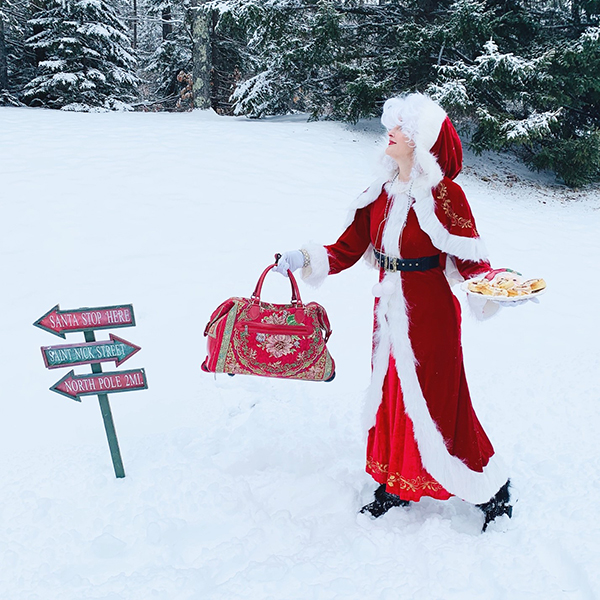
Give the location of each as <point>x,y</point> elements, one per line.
<point>455,219</point>
<point>401,483</point>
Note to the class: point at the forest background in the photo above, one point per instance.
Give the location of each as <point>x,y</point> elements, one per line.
<point>516,75</point>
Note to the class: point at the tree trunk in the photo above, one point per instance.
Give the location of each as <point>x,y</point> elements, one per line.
<point>37,11</point>
<point>167,26</point>
<point>201,54</point>
<point>3,58</point>
<point>430,6</point>
<point>135,25</point>
<point>576,11</point>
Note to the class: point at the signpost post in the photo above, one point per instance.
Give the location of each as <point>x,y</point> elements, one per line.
<point>92,352</point>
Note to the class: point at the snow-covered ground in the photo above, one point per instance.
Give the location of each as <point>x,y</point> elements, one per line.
<point>243,488</point>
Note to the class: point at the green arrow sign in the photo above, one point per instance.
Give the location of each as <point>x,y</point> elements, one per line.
<point>115,349</point>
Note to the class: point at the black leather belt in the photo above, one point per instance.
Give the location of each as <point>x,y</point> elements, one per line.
<point>391,263</point>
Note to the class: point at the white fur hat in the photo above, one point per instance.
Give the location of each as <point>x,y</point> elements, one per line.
<point>421,119</point>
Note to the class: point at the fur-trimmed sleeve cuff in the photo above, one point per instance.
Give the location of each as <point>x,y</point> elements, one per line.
<point>318,269</point>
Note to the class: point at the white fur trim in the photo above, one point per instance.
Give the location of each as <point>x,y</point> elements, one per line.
<point>424,207</point>
<point>428,172</point>
<point>392,335</point>
<point>396,219</point>
<point>455,245</point>
<point>318,269</point>
<point>454,475</point>
<point>419,117</point>
<point>381,357</point>
<point>369,195</point>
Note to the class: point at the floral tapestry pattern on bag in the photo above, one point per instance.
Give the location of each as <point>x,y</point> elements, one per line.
<point>278,345</point>
<point>275,344</point>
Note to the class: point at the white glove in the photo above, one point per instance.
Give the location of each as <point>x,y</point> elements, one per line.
<point>291,260</point>
<point>519,302</point>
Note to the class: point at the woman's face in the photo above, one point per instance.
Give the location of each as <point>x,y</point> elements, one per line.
<point>399,147</point>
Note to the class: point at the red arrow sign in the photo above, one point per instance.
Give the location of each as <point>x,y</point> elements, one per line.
<point>57,321</point>
<point>73,386</point>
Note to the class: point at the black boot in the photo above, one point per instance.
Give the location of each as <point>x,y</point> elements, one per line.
<point>383,502</point>
<point>499,505</point>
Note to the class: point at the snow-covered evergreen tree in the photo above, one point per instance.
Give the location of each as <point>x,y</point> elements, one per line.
<point>501,89</point>
<point>278,45</point>
<point>15,64</point>
<point>329,58</point>
<point>573,150</point>
<point>84,57</point>
<point>547,107</point>
<point>341,58</point>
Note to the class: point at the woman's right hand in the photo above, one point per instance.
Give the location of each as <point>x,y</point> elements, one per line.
<point>292,260</point>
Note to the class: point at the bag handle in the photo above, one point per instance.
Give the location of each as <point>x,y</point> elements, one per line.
<point>220,312</point>
<point>324,322</point>
<point>296,300</point>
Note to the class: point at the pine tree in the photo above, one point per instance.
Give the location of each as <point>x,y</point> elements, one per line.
<point>522,73</point>
<point>230,58</point>
<point>547,108</point>
<point>15,64</point>
<point>341,58</point>
<point>332,59</point>
<point>84,57</point>
<point>276,70</point>
<point>573,149</point>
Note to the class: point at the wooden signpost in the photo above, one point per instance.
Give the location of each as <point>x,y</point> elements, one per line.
<point>92,352</point>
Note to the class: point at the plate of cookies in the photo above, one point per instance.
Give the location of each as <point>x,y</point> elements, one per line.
<point>504,286</point>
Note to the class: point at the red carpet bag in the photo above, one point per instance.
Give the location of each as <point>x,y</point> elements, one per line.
<point>250,337</point>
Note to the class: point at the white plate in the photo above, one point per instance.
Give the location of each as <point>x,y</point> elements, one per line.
<point>465,286</point>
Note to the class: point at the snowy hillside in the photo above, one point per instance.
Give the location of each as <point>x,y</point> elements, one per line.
<point>243,488</point>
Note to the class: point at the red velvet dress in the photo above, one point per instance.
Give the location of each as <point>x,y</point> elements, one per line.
<point>395,453</point>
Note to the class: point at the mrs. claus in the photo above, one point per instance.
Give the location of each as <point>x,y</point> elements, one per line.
<point>416,226</point>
